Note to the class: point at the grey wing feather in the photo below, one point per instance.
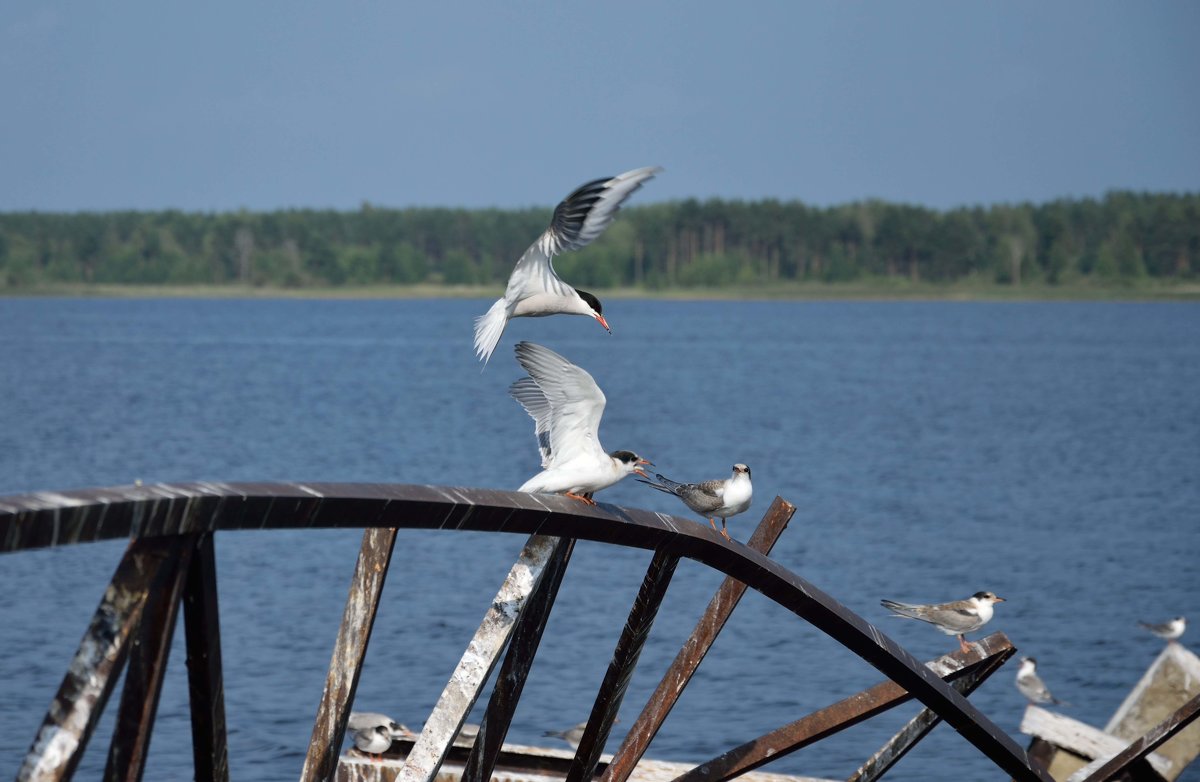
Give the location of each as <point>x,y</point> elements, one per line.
<point>585,213</point>
<point>527,392</point>
<point>703,497</point>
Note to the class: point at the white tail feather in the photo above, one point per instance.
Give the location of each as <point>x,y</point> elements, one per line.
<point>488,329</point>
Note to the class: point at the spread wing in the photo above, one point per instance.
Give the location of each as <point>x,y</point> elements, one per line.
<point>578,219</point>
<point>567,418</point>
<point>527,392</point>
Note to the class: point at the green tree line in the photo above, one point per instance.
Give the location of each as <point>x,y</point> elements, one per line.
<point>690,243</point>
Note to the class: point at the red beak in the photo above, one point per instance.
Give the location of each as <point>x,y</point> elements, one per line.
<point>603,322</point>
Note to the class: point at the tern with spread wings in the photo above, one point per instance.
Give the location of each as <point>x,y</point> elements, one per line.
<point>566,405</point>
<point>534,288</point>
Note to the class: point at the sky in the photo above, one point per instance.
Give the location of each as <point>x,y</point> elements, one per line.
<point>272,105</point>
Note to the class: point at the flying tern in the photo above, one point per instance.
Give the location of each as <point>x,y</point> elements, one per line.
<point>956,618</point>
<point>534,288</point>
<point>566,405</point>
<point>711,499</point>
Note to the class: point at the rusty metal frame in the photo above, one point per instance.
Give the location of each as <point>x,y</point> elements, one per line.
<point>1150,741</point>
<point>38,520</point>
<point>720,608</point>
<point>510,681</point>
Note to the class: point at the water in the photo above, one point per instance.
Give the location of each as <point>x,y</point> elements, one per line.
<point>1049,452</point>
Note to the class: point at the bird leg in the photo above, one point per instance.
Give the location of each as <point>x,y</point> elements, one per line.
<point>962,642</point>
<point>725,531</point>
<point>581,498</point>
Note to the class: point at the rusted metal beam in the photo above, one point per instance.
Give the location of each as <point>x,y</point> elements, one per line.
<point>510,681</point>
<point>147,662</point>
<point>620,668</point>
<point>920,725</point>
<point>206,688</point>
<point>477,662</point>
<point>1149,742</point>
<point>358,619</point>
<point>30,521</point>
<point>72,717</point>
<point>841,715</point>
<point>729,594</point>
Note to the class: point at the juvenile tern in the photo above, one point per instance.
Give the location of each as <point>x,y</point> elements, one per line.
<point>956,618</point>
<point>365,720</point>
<point>711,499</point>
<point>571,735</point>
<point>1031,685</point>
<point>566,405</point>
<point>534,288</point>
<point>373,741</point>
<point>1168,631</point>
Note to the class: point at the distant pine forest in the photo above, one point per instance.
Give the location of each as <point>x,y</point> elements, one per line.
<point>1124,236</point>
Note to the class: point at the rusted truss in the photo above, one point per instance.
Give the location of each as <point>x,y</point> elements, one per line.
<point>1150,741</point>
<point>164,519</point>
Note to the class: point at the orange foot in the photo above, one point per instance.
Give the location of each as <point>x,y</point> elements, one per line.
<point>962,642</point>
<point>581,498</point>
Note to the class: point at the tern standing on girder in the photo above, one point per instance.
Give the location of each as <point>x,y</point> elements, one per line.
<point>711,499</point>
<point>535,289</point>
<point>566,405</point>
<point>956,618</point>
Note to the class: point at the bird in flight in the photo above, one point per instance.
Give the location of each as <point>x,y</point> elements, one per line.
<point>534,288</point>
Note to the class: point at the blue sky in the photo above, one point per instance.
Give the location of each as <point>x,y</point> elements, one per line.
<point>268,105</point>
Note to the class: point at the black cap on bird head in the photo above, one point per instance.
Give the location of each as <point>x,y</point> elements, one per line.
<point>596,307</point>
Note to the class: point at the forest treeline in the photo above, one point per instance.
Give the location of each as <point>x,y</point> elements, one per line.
<point>690,243</point>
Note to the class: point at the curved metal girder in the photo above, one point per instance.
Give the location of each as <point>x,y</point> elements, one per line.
<point>49,519</point>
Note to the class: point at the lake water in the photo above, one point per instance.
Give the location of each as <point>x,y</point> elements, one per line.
<point>1049,452</point>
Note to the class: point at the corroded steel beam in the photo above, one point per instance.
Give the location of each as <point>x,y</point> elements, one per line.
<point>988,653</point>
<point>620,668</point>
<point>478,661</point>
<point>147,662</point>
<point>1150,741</point>
<point>72,717</point>
<point>919,726</point>
<point>510,681</point>
<point>349,650</point>
<point>41,519</point>
<point>658,706</point>
<point>206,687</point>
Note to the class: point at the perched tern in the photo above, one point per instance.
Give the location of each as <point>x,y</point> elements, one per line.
<point>365,720</point>
<point>566,405</point>
<point>571,735</point>
<point>373,741</point>
<point>956,618</point>
<point>1031,685</point>
<point>711,499</point>
<point>534,288</point>
<point>1168,631</point>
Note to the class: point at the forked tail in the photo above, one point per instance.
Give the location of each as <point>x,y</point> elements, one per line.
<point>902,609</point>
<point>664,483</point>
<point>488,329</point>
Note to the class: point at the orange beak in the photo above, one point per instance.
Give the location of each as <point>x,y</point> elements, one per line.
<point>639,470</point>
<point>603,322</point>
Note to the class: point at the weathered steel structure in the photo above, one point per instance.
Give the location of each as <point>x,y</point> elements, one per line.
<point>170,562</point>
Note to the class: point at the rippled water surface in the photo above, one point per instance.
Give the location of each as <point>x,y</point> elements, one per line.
<point>1049,452</point>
